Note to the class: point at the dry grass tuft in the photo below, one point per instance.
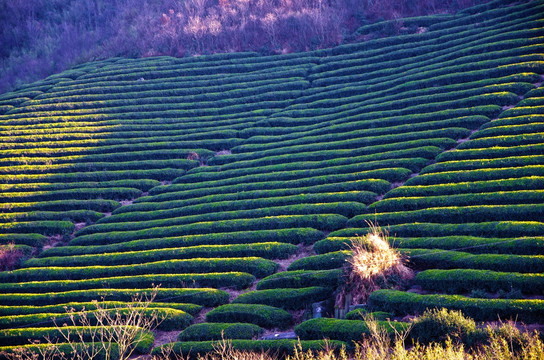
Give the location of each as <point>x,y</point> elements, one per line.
<point>374,265</point>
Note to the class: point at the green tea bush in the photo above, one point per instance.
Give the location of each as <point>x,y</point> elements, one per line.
<point>171,318</point>
<point>192,349</point>
<point>270,250</point>
<point>22,336</point>
<point>218,331</point>
<point>202,296</point>
<point>290,236</point>
<point>331,260</point>
<point>258,314</point>
<point>440,259</point>
<point>400,303</point>
<point>345,330</point>
<point>253,265</point>
<point>7,310</point>
<point>456,214</point>
<point>463,280</point>
<point>318,221</point>
<point>291,299</point>
<point>237,280</point>
<point>301,279</point>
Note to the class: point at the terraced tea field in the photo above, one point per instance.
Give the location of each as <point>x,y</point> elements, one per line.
<point>236,181</point>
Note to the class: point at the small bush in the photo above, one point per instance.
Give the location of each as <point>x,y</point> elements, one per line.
<point>437,325</point>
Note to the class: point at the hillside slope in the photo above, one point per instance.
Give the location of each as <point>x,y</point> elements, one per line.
<point>205,174</point>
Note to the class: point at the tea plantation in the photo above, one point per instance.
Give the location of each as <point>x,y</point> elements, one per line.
<point>210,175</point>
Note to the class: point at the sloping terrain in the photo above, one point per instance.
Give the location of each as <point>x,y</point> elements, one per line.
<point>207,174</point>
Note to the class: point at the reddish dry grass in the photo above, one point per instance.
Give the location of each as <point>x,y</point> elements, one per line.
<point>10,257</point>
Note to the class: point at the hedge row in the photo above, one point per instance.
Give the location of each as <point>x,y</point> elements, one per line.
<point>426,138</point>
<point>387,173</point>
<point>166,88</point>
<point>333,260</point>
<point>192,349</point>
<point>452,132</point>
<point>178,191</point>
<point>510,130</point>
<point>400,303</point>
<point>471,244</point>
<point>377,94</point>
<point>357,119</point>
<point>487,198</point>
<point>253,265</point>
<point>279,91</point>
<point>416,148</point>
<point>512,161</point>
<point>448,259</point>
<point>13,337</point>
<point>71,215</point>
<point>510,140</point>
<point>290,179</point>
<point>272,250</point>
<point>517,120</point>
<point>456,214</point>
<point>39,227</point>
<point>324,157</point>
<point>236,280</point>
<point>202,296</point>
<point>36,240</point>
<point>66,158</point>
<point>301,279</point>
<point>467,68</point>
<point>6,352</point>
<point>183,164</point>
<point>289,236</point>
<point>97,205</point>
<point>345,330</point>
<point>107,138</point>
<point>529,182</point>
<point>504,229</point>
<point>465,280</point>
<point>214,70</point>
<point>214,212</point>
<point>157,174</point>
<point>307,168</point>
<point>262,315</point>
<point>218,331</point>
<point>126,185</point>
<point>469,119</point>
<point>6,310</point>
<point>490,153</point>
<point>230,106</point>
<point>172,319</point>
<point>291,299</point>
<point>318,221</point>
<point>53,148</point>
<point>425,47</point>
<point>310,195</point>
<point>348,131</point>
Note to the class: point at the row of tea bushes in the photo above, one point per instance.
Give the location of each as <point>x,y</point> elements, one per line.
<point>235,280</point>
<point>271,250</point>
<point>256,266</point>
<point>399,302</point>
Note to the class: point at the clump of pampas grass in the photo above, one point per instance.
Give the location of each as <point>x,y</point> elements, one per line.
<point>374,265</point>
